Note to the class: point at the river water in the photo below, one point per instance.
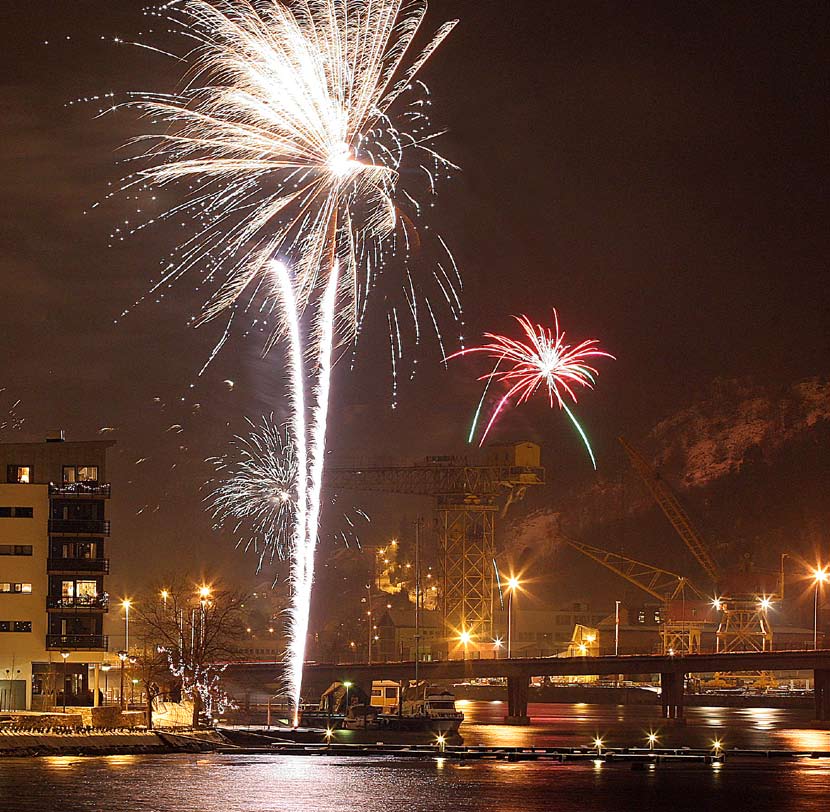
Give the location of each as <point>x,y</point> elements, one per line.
<point>224,783</point>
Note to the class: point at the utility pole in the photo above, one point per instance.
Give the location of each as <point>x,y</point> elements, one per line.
<point>369,618</point>
<point>418,522</point>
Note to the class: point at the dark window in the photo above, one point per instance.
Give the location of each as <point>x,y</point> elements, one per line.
<point>15,549</point>
<point>16,512</point>
<point>15,625</point>
<point>20,474</point>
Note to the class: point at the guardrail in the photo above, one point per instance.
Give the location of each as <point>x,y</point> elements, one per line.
<point>77,641</point>
<point>91,527</point>
<point>101,565</point>
<point>100,602</point>
<point>101,490</point>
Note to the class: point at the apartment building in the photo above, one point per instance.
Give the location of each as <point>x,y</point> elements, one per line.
<point>54,533</point>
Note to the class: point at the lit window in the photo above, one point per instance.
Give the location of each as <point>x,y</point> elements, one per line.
<point>80,473</point>
<point>20,474</point>
<point>5,587</point>
<point>22,626</point>
<point>26,588</point>
<point>87,589</point>
<point>87,473</point>
<point>67,589</point>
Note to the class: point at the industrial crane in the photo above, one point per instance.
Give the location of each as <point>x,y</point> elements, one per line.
<point>744,624</point>
<point>468,495</point>
<point>684,606</point>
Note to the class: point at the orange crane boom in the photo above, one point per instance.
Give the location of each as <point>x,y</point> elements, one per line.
<point>659,583</point>
<point>673,511</point>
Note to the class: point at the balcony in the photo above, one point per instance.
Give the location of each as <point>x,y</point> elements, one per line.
<point>101,565</point>
<point>79,527</point>
<point>96,603</point>
<point>97,489</point>
<point>76,642</point>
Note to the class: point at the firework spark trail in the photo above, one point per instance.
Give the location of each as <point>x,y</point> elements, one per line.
<point>542,358</point>
<point>285,292</point>
<point>304,555</point>
<point>283,138</point>
<point>11,420</point>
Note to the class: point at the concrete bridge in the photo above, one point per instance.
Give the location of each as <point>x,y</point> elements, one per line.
<point>518,671</point>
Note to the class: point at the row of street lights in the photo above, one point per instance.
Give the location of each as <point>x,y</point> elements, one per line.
<point>820,575</point>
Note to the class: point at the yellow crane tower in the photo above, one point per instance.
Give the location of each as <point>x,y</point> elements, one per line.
<point>468,494</point>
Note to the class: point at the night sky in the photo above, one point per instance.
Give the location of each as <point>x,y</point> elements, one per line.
<point>657,171</point>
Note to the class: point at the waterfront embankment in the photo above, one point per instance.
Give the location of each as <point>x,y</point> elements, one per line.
<point>23,743</point>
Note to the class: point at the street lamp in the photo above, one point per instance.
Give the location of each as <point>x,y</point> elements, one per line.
<point>497,644</point>
<point>65,655</point>
<point>105,667</point>
<point>464,638</point>
<point>122,655</point>
<point>512,586</point>
<point>165,594</point>
<point>598,744</point>
<point>820,575</point>
<point>652,740</point>
<point>126,604</point>
<point>347,685</point>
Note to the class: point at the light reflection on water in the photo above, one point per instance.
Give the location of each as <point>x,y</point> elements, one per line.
<point>628,726</point>
<point>225,783</point>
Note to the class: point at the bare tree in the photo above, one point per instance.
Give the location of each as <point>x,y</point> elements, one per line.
<point>195,631</point>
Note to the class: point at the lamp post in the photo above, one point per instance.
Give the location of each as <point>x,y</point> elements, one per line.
<point>616,628</point>
<point>126,603</point>
<point>122,655</point>
<point>820,575</point>
<point>65,655</point>
<point>369,620</point>
<point>105,667</point>
<point>347,685</point>
<point>512,586</point>
<point>204,598</point>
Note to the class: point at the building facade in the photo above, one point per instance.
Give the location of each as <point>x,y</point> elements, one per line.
<point>54,532</point>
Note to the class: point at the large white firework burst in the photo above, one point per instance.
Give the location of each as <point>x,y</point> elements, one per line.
<point>284,137</point>
<point>293,162</point>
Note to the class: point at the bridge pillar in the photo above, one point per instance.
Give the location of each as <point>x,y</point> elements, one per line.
<point>517,692</point>
<point>821,683</point>
<point>671,694</point>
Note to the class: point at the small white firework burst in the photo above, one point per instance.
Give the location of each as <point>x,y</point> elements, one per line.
<point>257,498</point>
